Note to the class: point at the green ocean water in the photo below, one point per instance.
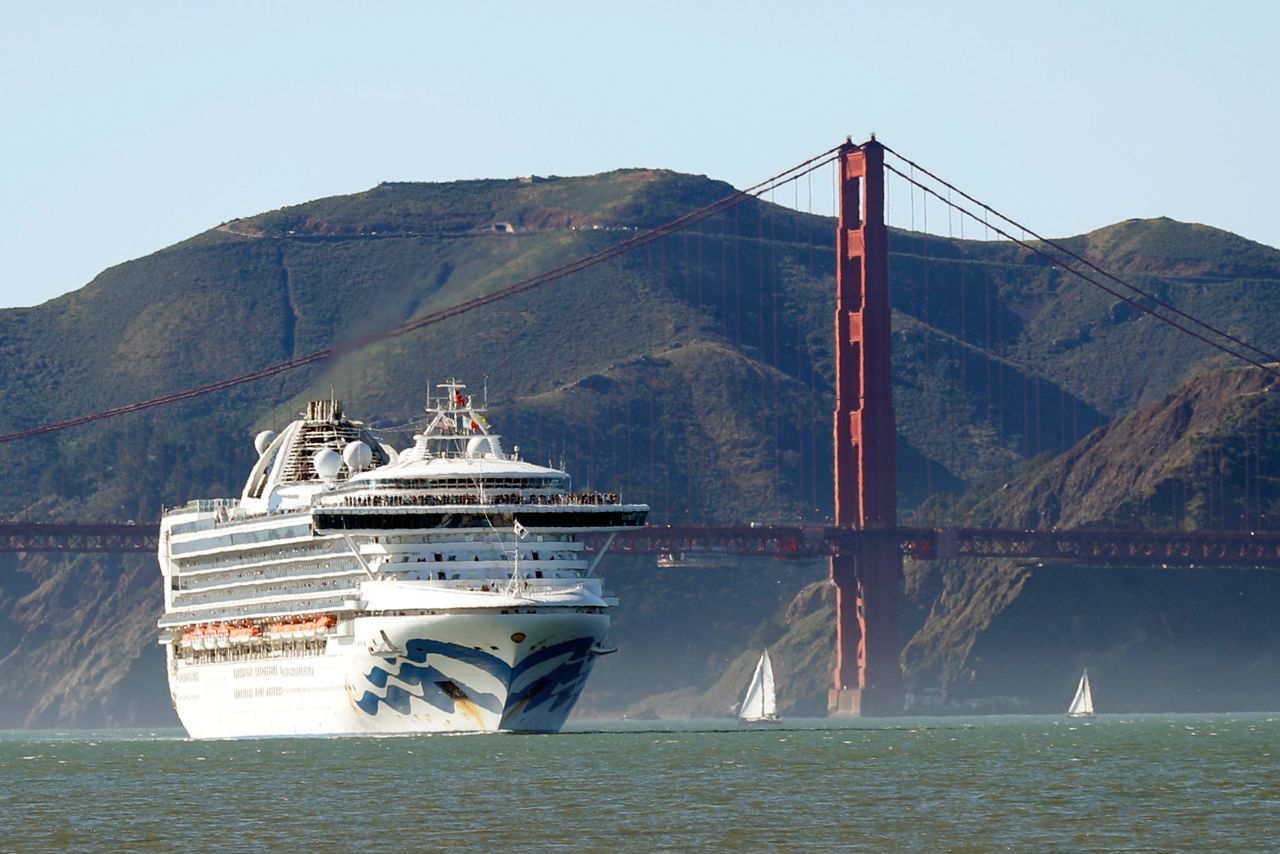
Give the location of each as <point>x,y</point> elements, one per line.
<point>1112,783</point>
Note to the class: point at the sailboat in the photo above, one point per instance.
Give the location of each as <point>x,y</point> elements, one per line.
<point>1082,705</point>
<point>761,703</point>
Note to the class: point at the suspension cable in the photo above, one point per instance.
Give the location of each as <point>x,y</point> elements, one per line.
<point>644,238</point>
<point>1093,281</point>
<point>1083,260</point>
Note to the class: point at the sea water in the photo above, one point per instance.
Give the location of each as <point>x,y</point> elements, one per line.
<point>1111,783</point>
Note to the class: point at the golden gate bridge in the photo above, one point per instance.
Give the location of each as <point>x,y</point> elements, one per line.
<point>1134,548</point>
<point>865,545</point>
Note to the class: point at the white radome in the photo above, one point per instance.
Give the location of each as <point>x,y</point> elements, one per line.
<point>357,455</point>
<point>263,441</point>
<point>327,463</point>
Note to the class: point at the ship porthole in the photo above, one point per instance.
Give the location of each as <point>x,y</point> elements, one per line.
<point>517,637</point>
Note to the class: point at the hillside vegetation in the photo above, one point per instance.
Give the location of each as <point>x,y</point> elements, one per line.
<point>694,374</point>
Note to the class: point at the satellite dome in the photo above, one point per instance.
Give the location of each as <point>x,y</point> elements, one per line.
<point>477,446</point>
<point>263,441</point>
<point>358,455</point>
<point>327,463</point>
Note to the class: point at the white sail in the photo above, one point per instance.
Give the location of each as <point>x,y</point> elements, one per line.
<point>761,703</point>
<point>1082,704</point>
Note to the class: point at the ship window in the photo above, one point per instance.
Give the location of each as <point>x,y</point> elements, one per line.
<point>438,557</point>
<point>440,575</point>
<point>537,574</point>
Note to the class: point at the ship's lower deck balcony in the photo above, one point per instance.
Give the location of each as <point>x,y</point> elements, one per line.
<point>317,550</point>
<point>342,579</point>
<point>256,651</point>
<point>330,601</point>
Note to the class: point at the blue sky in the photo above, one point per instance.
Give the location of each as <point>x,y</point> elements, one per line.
<point>128,127</point>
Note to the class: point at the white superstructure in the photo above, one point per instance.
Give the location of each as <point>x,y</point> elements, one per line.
<point>354,590</point>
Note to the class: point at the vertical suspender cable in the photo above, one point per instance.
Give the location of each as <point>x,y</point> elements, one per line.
<point>926,386</point>
<point>811,423</point>
<point>737,280</point>
<point>964,321</point>
<point>774,287</point>
<point>724,275</point>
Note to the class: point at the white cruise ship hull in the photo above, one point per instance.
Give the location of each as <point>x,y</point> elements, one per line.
<point>357,590</point>
<point>470,671</point>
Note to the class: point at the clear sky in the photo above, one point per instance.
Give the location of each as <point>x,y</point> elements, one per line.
<point>130,126</point>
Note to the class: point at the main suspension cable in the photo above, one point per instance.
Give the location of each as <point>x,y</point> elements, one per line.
<point>1110,290</point>
<point>1080,258</point>
<point>644,238</point>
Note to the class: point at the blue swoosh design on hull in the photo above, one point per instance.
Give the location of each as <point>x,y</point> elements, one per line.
<point>556,690</point>
<point>415,671</point>
<point>533,659</point>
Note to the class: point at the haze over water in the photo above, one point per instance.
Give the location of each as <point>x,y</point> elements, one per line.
<point>1113,783</point>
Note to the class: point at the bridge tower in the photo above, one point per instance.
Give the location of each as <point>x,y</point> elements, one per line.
<point>868,677</point>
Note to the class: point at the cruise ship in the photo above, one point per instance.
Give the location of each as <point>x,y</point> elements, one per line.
<point>353,589</point>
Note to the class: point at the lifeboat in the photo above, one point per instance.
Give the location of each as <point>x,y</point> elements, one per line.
<point>244,634</point>
<point>297,628</point>
<point>219,635</point>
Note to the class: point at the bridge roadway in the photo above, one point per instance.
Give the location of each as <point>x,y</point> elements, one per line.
<point>1110,547</point>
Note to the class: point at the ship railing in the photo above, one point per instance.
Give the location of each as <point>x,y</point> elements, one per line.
<point>568,580</point>
<point>579,499</point>
<point>268,554</point>
<point>204,505</point>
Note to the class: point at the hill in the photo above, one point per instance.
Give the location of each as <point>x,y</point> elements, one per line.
<point>694,374</point>
<point>1204,457</point>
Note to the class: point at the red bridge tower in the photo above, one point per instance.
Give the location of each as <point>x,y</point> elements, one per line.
<point>868,677</point>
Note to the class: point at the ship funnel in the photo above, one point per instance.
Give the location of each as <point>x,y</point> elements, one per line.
<point>324,410</point>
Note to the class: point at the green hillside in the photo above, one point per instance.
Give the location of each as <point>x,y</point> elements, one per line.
<point>694,374</point>
<point>1205,457</point>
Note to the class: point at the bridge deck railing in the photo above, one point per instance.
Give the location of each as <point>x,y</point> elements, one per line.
<point>1095,546</point>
